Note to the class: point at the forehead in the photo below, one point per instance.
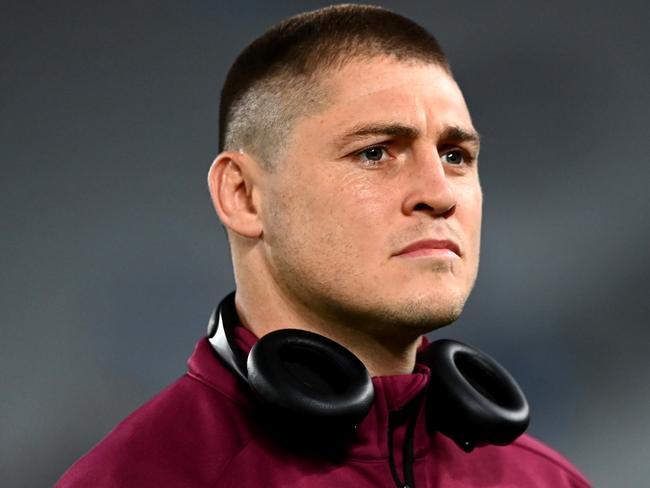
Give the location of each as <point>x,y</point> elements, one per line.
<point>382,89</point>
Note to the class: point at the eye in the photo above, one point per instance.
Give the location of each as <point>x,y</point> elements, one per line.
<point>455,158</point>
<point>373,155</point>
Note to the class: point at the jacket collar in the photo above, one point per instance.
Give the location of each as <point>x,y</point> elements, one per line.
<point>392,395</point>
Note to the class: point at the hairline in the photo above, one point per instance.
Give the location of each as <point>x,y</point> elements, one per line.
<point>311,89</point>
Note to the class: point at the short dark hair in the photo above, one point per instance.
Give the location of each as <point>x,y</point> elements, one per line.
<point>275,78</point>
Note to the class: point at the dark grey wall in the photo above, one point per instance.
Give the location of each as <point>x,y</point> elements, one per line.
<point>112,258</point>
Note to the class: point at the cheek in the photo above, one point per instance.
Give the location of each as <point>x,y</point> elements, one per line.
<point>470,203</point>
<point>478,208</point>
<point>365,193</point>
<point>476,212</point>
<point>359,209</point>
<point>474,232</point>
<point>346,219</point>
<point>350,200</point>
<point>469,214</point>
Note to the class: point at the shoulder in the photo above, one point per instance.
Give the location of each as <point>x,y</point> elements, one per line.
<point>526,462</point>
<point>549,459</point>
<point>184,436</point>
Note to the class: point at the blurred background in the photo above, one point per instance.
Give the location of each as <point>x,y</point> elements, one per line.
<point>112,257</point>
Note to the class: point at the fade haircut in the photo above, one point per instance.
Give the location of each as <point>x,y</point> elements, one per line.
<point>277,78</point>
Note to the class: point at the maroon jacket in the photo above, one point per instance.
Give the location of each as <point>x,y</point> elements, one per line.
<point>203,431</point>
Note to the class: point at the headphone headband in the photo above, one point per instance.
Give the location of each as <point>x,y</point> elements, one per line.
<point>221,334</point>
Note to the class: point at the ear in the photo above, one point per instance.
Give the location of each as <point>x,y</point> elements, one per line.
<point>233,191</point>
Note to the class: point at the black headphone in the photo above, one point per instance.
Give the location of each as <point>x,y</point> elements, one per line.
<point>305,376</point>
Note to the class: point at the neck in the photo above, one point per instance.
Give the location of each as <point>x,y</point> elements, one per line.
<point>266,309</point>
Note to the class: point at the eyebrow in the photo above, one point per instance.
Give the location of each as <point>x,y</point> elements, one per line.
<point>452,134</point>
<point>455,134</point>
<point>389,129</point>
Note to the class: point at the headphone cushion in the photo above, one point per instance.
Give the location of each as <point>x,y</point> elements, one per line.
<point>472,398</point>
<point>310,378</point>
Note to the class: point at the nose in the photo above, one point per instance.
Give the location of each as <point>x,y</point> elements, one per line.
<point>431,190</point>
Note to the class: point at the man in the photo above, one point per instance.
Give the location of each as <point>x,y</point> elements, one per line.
<point>348,185</point>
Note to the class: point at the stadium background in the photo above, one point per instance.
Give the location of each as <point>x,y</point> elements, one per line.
<point>112,257</point>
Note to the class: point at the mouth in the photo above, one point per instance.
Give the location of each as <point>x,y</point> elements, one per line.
<point>431,247</point>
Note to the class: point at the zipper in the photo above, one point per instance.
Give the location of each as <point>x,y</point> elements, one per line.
<point>407,453</point>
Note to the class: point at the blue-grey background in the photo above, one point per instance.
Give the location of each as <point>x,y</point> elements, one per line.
<point>112,257</point>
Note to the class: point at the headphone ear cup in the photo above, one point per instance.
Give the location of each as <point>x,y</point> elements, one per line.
<point>471,398</point>
<point>310,378</point>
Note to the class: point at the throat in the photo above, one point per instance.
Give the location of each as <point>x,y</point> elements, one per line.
<point>386,358</point>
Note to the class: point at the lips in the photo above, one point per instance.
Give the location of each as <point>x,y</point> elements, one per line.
<point>432,245</point>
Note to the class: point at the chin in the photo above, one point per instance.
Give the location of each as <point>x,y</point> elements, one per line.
<point>434,303</point>
<point>423,314</point>
<point>428,317</point>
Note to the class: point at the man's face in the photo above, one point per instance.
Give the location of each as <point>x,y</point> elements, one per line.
<point>373,216</point>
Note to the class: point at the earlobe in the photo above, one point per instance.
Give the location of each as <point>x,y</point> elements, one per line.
<point>231,184</point>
